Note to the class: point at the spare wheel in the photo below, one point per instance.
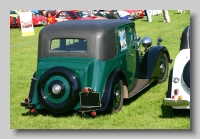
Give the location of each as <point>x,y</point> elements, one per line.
<point>58,89</point>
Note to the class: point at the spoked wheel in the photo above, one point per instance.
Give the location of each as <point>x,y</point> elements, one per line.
<point>117,95</point>
<point>163,68</point>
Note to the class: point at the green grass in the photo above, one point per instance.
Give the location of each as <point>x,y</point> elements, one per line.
<point>143,111</point>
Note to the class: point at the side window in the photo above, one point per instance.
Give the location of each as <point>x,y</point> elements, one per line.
<point>72,15</point>
<point>122,39</point>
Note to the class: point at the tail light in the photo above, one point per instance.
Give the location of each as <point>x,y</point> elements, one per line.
<point>26,100</point>
<point>87,89</point>
<point>180,97</point>
<point>32,110</point>
<point>93,113</point>
<point>176,91</point>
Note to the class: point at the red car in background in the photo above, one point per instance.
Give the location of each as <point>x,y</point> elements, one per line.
<point>136,13</point>
<point>39,19</point>
<point>36,19</point>
<point>65,15</point>
<point>14,22</point>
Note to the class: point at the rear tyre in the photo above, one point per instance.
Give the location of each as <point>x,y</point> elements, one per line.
<point>163,68</point>
<point>117,97</point>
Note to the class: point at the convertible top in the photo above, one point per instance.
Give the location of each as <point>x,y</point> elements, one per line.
<point>100,36</point>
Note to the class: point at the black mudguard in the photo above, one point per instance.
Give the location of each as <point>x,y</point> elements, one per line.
<point>31,91</point>
<point>150,62</point>
<point>105,101</point>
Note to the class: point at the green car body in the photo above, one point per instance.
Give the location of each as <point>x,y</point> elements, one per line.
<point>92,66</point>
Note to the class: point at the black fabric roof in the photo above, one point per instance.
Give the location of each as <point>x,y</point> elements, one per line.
<point>100,36</point>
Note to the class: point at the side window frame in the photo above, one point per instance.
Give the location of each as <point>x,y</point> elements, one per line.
<point>133,36</point>
<point>122,38</point>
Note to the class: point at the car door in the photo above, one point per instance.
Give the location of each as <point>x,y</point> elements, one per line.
<point>127,52</point>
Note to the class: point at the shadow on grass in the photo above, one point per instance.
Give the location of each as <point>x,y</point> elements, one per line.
<point>45,112</point>
<point>168,112</point>
<point>69,113</point>
<point>131,100</point>
<point>144,20</point>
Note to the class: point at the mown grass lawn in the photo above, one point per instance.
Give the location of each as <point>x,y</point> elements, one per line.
<point>143,111</point>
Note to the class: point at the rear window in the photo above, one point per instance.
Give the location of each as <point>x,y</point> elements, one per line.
<point>68,45</point>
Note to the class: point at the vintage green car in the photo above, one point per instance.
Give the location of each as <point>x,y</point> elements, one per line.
<point>92,66</point>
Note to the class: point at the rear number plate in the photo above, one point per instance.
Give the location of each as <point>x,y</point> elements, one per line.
<point>90,99</point>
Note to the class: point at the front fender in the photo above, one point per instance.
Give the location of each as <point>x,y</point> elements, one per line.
<point>149,61</point>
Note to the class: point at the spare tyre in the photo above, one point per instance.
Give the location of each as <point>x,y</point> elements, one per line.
<point>58,89</point>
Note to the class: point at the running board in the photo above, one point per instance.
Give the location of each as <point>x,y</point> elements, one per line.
<point>141,84</point>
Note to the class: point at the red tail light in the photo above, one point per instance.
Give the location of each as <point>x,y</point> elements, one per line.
<point>32,110</point>
<point>26,100</point>
<point>93,113</point>
<point>176,91</point>
<point>87,90</point>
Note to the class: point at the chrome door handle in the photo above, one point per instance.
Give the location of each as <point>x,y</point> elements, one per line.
<point>131,54</point>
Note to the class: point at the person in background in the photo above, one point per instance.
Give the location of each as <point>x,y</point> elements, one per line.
<point>149,14</point>
<point>180,11</point>
<point>166,16</point>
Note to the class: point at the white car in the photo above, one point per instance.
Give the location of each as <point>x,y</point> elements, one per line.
<point>178,94</point>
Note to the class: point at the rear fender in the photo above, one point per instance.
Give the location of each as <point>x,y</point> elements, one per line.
<point>31,91</point>
<point>105,101</point>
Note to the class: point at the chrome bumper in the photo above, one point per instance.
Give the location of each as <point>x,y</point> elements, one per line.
<point>173,102</point>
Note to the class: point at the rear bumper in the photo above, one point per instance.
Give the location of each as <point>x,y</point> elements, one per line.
<point>26,105</point>
<point>173,102</point>
<point>88,109</point>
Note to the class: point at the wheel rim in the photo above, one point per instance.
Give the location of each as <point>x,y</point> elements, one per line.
<point>58,89</point>
<point>117,96</point>
<point>62,94</point>
<point>162,68</point>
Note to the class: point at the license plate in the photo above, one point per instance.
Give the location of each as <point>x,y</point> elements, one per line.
<point>90,99</point>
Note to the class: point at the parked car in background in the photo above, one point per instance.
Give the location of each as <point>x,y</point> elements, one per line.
<point>92,66</point>
<point>65,15</point>
<point>136,14</point>
<point>39,19</point>
<point>52,12</point>
<point>14,22</point>
<point>178,94</point>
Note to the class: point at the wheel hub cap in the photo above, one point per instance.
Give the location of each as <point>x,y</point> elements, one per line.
<point>56,89</point>
<point>162,68</point>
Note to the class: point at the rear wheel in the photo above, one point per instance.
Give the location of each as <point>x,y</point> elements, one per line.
<point>163,68</point>
<point>117,95</point>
